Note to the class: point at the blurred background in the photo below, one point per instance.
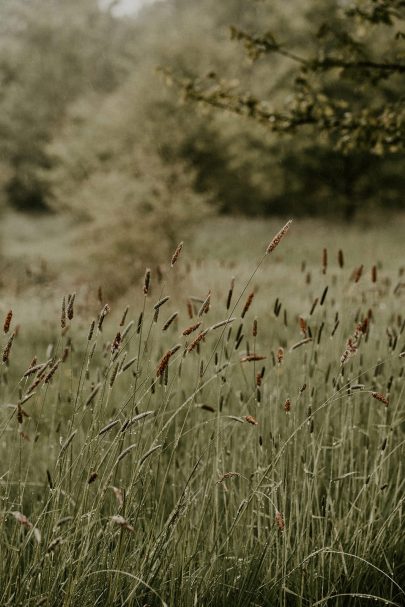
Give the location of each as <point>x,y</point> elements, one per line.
<point>104,166</point>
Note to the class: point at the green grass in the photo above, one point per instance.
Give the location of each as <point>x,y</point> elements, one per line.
<point>313,513</point>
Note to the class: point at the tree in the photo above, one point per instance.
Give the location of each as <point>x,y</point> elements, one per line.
<point>345,92</point>
<point>362,46</point>
<point>51,53</point>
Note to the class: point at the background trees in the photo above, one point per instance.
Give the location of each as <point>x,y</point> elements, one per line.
<point>339,101</point>
<point>87,124</point>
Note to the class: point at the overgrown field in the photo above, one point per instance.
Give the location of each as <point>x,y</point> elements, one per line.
<point>236,438</point>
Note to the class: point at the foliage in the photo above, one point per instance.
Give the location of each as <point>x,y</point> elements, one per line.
<point>68,86</point>
<point>347,52</point>
<point>344,95</point>
<point>48,60</point>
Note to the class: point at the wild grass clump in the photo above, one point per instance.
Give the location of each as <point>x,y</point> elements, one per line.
<point>219,449</point>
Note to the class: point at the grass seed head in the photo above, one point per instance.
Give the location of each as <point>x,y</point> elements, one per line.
<point>116,343</point>
<point>247,304</point>
<point>70,304</point>
<point>7,321</point>
<point>176,254</point>
<point>280,521</point>
<point>7,349</point>
<point>205,306</point>
<point>254,329</point>
<point>124,316</point>
<point>380,397</point>
<point>200,337</point>
<point>169,321</point>
<point>278,237</point>
<point>106,310</point>
<point>164,361</point>
<point>52,371</point>
<point>251,420</point>
<point>251,358</point>
<point>280,355</point>
<point>146,281</point>
<point>191,328</point>
<point>93,476</point>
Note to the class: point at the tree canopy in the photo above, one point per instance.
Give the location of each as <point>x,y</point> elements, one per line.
<point>348,86</point>
<point>82,106</point>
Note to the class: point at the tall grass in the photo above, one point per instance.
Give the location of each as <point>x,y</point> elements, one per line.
<point>248,454</point>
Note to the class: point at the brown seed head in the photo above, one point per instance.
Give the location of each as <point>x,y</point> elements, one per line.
<point>303,326</point>
<point>33,368</point>
<point>164,361</point>
<point>69,310</point>
<point>205,305</point>
<point>63,314</point>
<point>227,475</point>
<point>7,321</point>
<point>7,349</point>
<point>19,414</point>
<point>197,340</point>
<point>357,272</point>
<point>124,316</point>
<point>34,385</point>
<point>254,330</point>
<point>300,343</point>
<point>116,343</point>
<point>93,476</point>
<point>191,328</point>
<point>251,420</point>
<point>280,521</point>
<point>176,254</point>
<point>247,304</point>
<point>161,302</point>
<point>169,321</point>
<point>251,358</point>
<point>374,273</point>
<point>91,330</point>
<point>380,397</point>
<point>106,310</point>
<point>52,371</point>
<point>230,293</point>
<point>146,281</point>
<point>277,238</point>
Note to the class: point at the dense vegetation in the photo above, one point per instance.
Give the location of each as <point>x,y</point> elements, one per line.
<point>224,432</point>
<point>86,123</point>
<point>172,460</point>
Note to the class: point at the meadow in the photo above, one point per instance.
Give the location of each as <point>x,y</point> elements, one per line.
<point>229,432</point>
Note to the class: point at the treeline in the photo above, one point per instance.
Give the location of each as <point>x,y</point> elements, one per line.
<point>88,125</point>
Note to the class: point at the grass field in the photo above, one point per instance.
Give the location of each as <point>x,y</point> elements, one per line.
<point>260,464</point>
